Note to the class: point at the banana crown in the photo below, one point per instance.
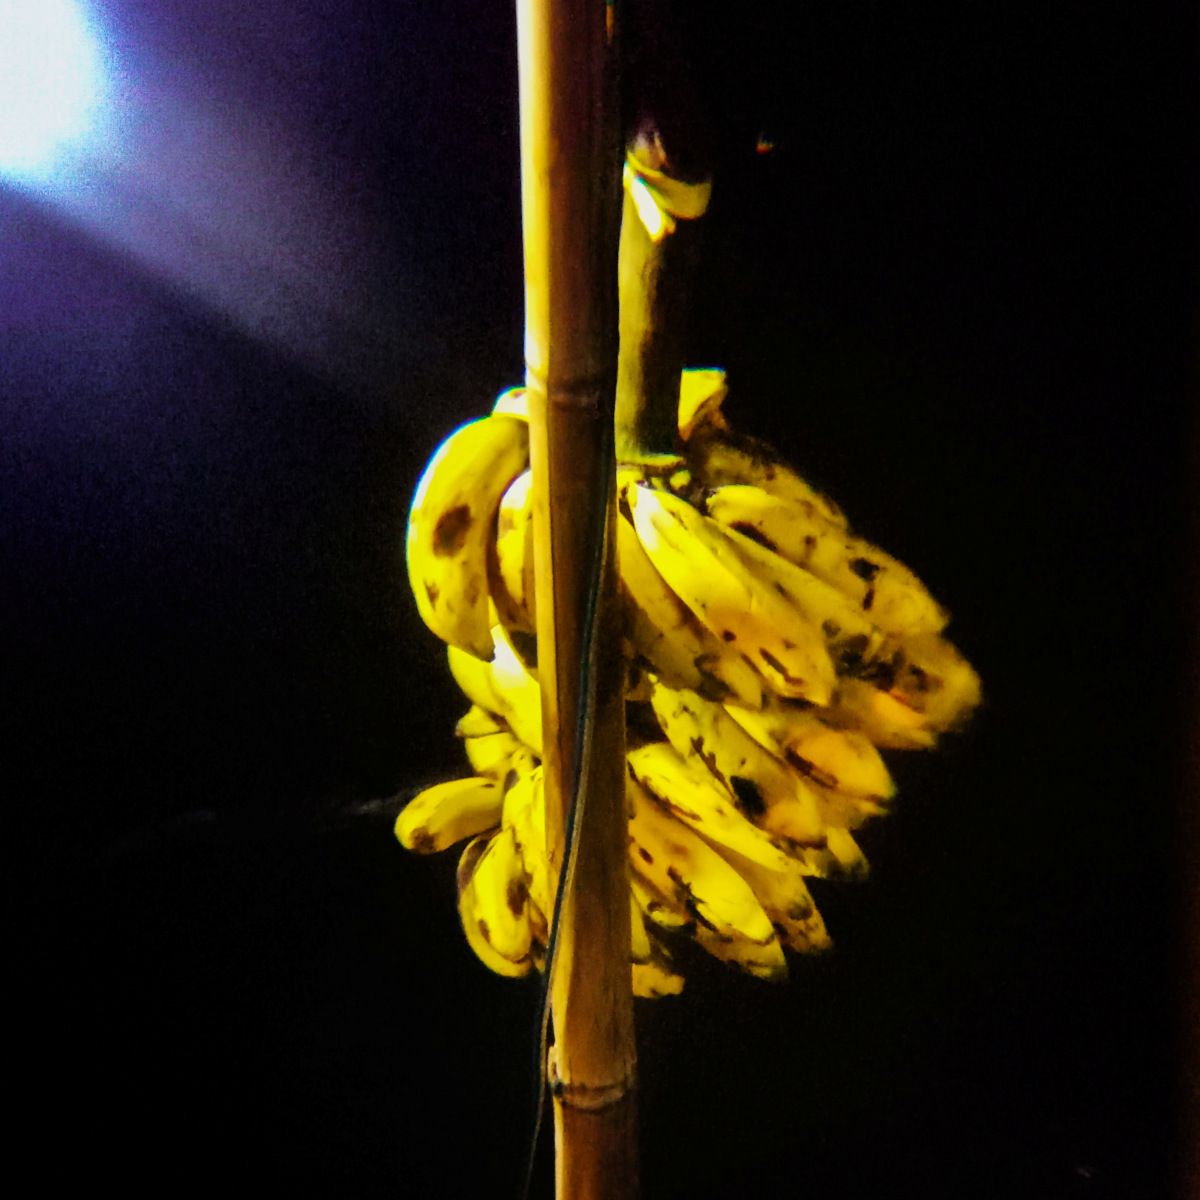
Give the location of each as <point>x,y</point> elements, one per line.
<point>770,653</point>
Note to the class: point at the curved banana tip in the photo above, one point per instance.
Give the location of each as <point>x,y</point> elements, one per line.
<point>513,402</point>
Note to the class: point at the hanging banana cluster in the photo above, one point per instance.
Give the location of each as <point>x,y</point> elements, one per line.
<point>770,653</point>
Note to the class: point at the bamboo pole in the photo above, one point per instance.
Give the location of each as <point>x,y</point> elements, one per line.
<point>570,203</point>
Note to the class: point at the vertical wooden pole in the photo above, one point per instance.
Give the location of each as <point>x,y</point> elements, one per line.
<point>571,191</point>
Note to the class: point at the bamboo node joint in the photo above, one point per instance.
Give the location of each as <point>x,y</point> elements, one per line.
<point>589,1097</point>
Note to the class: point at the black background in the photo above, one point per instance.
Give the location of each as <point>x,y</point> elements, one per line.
<point>953,294</point>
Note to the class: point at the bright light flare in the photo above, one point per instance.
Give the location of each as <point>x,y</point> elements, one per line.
<point>51,79</point>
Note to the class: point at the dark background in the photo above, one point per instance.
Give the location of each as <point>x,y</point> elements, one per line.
<point>953,294</point>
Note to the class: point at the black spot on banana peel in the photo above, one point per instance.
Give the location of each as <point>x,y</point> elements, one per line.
<point>516,896</point>
<point>865,569</point>
<point>755,535</point>
<point>779,668</point>
<point>451,530</point>
<point>749,796</point>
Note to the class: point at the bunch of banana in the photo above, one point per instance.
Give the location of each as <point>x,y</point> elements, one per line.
<point>771,654</point>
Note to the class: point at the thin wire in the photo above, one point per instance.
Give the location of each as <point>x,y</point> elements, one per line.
<point>584,727</point>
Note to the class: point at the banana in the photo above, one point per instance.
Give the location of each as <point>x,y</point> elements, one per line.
<point>449,812</point>
<point>842,760</point>
<point>519,689</point>
<point>877,584</point>
<point>681,865</point>
<point>663,630</point>
<point>513,402</point>
<point>851,637</point>
<point>685,789</point>
<point>787,901</point>
<point>677,914</point>
<point>474,677</point>
<point>702,565</point>
<point>450,527</point>
<point>933,678</point>
<point>883,718</point>
<point>718,458</point>
<point>501,890</point>
<point>469,913</point>
<point>510,565</point>
<point>655,979</point>
<point>502,686</point>
<point>852,863</point>
<point>492,753</point>
<point>702,391</point>
<point>478,722</point>
<point>703,732</point>
<point>525,814</point>
<point>662,913</point>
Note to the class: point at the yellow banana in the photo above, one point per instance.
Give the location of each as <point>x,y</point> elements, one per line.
<point>449,812</point>
<point>685,789</point>
<point>502,686</point>
<point>468,911</point>
<point>525,814</point>
<point>787,901</point>
<point>842,760</point>
<point>851,637</point>
<point>933,678</point>
<point>703,732</point>
<point>655,979</point>
<point>510,566</point>
<point>852,863</point>
<point>513,402</point>
<point>876,583</point>
<point>887,721</point>
<point>502,898</point>
<point>450,527</point>
<point>666,633</point>
<point>519,689</point>
<point>677,913</point>
<point>681,865</point>
<point>702,390</point>
<point>478,722</point>
<point>492,753</point>
<point>702,566</point>
<point>718,459</point>
<point>657,909</point>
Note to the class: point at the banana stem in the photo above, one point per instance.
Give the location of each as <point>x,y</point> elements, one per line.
<point>657,262</point>
<point>570,181</point>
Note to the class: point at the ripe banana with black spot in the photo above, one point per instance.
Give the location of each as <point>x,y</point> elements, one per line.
<point>843,760</point>
<point>474,907</point>
<point>447,813</point>
<point>501,896</point>
<point>682,866</point>
<point>503,686</point>
<point>705,733</point>
<point>492,753</point>
<point>664,631</point>
<point>653,975</point>
<point>879,585</point>
<point>775,649</point>
<point>719,457</point>
<point>785,898</point>
<point>697,560</point>
<point>525,814</point>
<point>685,789</point>
<point>450,527</point>
<point>510,565</point>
